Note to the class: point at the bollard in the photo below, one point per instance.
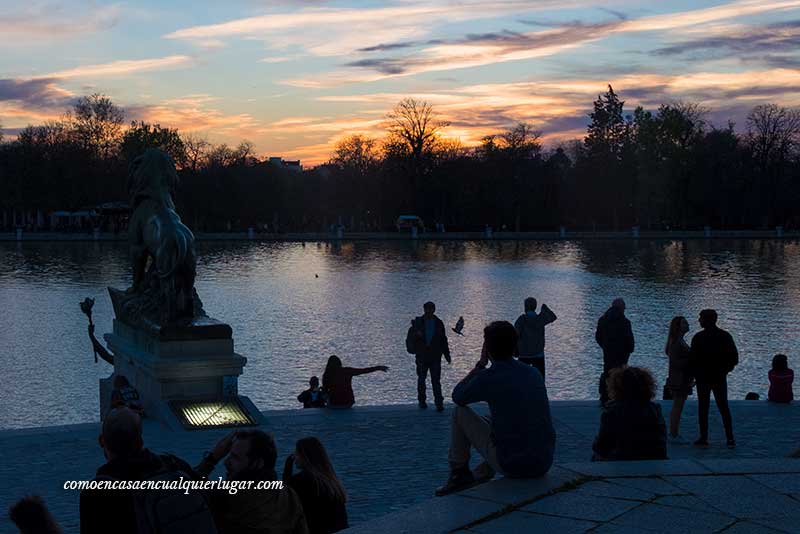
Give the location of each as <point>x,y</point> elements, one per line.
<point>562,232</point>
<point>251,233</point>
<point>96,234</point>
<point>339,232</point>
<point>488,232</point>
<point>707,231</point>
<point>635,232</point>
<point>779,231</point>
<point>19,234</point>
<point>413,232</point>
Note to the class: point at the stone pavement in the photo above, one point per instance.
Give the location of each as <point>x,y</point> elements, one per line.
<point>389,457</point>
<point>732,496</point>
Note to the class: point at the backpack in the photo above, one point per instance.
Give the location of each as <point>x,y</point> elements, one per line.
<point>411,338</point>
<point>172,511</point>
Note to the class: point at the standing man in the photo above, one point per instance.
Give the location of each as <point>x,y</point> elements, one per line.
<point>427,340</point>
<point>530,329</point>
<point>713,355</point>
<point>615,336</point>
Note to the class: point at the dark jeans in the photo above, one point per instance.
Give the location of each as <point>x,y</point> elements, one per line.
<point>434,365</point>
<point>719,386</point>
<point>535,362</point>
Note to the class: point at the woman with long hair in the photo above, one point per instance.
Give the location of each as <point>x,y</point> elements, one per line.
<point>320,490</point>
<point>679,380</point>
<point>337,382</point>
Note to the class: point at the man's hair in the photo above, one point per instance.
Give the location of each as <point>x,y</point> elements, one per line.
<point>709,316</point>
<point>262,447</point>
<point>122,431</point>
<point>429,304</point>
<point>501,340</point>
<point>631,384</point>
<point>32,517</point>
<point>530,304</point>
<point>313,379</point>
<point>618,303</point>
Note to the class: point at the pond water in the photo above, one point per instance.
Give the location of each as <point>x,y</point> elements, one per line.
<point>287,321</point>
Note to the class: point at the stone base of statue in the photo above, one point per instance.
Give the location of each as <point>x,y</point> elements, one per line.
<point>186,373</point>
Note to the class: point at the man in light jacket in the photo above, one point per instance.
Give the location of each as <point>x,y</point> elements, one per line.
<point>530,329</point>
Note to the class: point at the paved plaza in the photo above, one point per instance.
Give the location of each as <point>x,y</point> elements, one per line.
<point>391,458</point>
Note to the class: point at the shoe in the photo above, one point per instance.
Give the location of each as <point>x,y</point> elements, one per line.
<point>483,472</point>
<point>731,444</point>
<point>701,442</point>
<point>423,405</point>
<point>678,440</point>
<point>440,407</point>
<point>457,481</point>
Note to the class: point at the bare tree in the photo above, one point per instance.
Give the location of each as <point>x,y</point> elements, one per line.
<point>773,132</point>
<point>415,125</point>
<point>358,153</point>
<point>197,149</point>
<point>245,153</point>
<point>97,123</point>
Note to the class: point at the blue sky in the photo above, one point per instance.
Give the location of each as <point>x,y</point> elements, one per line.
<point>293,76</point>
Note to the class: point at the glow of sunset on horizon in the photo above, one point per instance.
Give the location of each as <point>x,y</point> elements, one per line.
<point>293,76</point>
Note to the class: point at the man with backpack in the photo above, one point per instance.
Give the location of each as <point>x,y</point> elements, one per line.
<point>712,356</point>
<point>427,340</point>
<point>615,336</point>
<point>125,511</point>
<point>530,329</point>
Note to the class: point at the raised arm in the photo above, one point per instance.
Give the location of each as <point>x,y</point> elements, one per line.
<point>547,315</point>
<point>99,348</point>
<point>366,370</point>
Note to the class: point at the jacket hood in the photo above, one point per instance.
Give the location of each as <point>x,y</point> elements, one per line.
<point>614,314</point>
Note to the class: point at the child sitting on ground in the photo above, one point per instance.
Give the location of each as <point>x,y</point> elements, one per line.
<point>780,380</point>
<point>313,397</point>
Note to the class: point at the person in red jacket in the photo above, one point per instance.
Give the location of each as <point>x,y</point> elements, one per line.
<point>780,380</point>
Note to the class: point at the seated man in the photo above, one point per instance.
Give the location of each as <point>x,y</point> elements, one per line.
<point>313,397</point>
<point>518,439</point>
<point>251,455</point>
<point>120,511</point>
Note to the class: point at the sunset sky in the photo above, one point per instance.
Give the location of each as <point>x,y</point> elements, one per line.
<point>294,76</point>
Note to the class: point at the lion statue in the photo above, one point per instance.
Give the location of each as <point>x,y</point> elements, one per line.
<point>156,233</point>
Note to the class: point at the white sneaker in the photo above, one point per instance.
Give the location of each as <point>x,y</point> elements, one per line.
<point>678,440</point>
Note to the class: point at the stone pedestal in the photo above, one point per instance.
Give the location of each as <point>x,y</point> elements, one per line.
<point>192,362</point>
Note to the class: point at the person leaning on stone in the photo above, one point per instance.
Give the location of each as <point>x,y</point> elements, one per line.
<point>427,340</point>
<point>530,329</point>
<point>103,511</point>
<point>250,455</point>
<point>615,336</point>
<point>712,355</point>
<point>631,425</point>
<point>518,439</point>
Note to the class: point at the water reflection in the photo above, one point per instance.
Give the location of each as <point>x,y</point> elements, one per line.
<point>287,320</point>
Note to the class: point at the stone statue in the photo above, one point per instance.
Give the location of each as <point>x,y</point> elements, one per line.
<point>161,246</point>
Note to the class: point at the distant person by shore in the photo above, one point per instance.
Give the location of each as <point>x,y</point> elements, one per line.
<point>313,397</point>
<point>518,438</point>
<point>713,355</point>
<point>530,329</point>
<point>427,340</point>
<point>337,382</point>
<point>615,336</point>
<point>680,378</point>
<point>320,490</point>
<point>631,425</point>
<point>780,380</point>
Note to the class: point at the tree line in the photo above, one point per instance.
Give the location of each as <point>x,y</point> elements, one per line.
<point>658,169</point>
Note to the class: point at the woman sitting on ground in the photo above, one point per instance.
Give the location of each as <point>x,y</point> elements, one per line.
<point>631,426</point>
<point>337,382</point>
<point>320,491</point>
<point>780,380</point>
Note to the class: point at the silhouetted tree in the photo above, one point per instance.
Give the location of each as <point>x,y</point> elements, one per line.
<point>97,123</point>
<point>141,136</point>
